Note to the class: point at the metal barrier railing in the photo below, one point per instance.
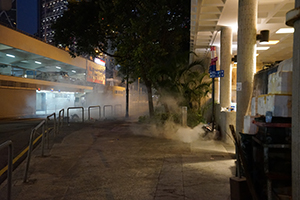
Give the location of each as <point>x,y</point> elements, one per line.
<point>61,118</point>
<point>30,146</point>
<point>8,144</point>
<point>111,109</point>
<point>54,126</point>
<point>116,110</point>
<point>68,113</point>
<point>89,111</point>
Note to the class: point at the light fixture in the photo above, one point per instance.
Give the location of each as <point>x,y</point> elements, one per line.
<point>234,59</point>
<point>262,48</point>
<point>285,30</point>
<point>263,36</point>
<point>73,71</point>
<point>10,55</point>
<point>37,62</point>
<point>271,42</point>
<point>57,67</point>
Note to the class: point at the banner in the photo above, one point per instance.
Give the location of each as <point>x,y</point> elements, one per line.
<point>95,73</point>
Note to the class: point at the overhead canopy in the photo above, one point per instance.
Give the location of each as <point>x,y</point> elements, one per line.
<point>208,16</point>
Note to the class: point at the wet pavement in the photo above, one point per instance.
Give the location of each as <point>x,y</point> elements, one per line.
<point>122,160</point>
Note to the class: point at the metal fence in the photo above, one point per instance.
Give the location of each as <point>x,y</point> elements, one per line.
<point>89,111</point>
<point>8,144</point>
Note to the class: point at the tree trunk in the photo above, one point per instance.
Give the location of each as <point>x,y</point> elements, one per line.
<point>150,99</point>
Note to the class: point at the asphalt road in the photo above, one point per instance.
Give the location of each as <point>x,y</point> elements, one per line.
<point>18,131</point>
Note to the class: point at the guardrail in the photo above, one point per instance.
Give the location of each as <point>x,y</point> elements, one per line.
<point>30,146</point>
<point>68,113</point>
<point>61,118</point>
<point>54,126</point>
<point>8,144</point>
<point>111,109</point>
<point>89,111</point>
<point>120,110</point>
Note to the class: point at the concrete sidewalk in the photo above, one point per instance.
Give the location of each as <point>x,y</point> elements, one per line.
<point>110,160</point>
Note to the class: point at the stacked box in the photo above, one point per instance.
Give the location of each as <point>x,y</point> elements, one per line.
<point>271,83</point>
<point>279,104</point>
<point>284,83</point>
<point>261,104</point>
<point>249,127</point>
<point>286,65</point>
<point>253,106</point>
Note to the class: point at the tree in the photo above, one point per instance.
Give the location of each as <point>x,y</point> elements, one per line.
<point>142,33</point>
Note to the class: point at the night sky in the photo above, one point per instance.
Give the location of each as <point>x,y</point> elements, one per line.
<point>27,16</point>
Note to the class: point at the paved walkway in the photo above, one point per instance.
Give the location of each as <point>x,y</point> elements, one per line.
<point>113,160</point>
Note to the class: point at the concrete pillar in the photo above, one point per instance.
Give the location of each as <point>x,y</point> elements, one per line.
<point>293,19</point>
<point>225,60</point>
<point>246,58</point>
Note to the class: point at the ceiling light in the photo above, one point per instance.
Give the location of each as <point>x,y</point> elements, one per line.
<point>262,48</point>
<point>37,62</point>
<point>10,55</point>
<point>57,67</point>
<point>73,71</point>
<point>270,42</point>
<point>285,30</point>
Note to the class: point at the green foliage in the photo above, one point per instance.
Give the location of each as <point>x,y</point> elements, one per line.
<point>194,117</point>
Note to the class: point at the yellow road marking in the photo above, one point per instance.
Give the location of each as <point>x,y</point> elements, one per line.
<point>19,156</point>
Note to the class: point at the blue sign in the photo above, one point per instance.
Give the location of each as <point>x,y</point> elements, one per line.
<point>212,68</point>
<point>216,74</point>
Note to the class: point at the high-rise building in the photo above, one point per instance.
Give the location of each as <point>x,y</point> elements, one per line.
<point>50,11</point>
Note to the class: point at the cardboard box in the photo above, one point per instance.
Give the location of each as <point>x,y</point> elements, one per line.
<point>253,106</point>
<point>279,104</point>
<point>261,104</point>
<point>284,83</point>
<point>249,127</point>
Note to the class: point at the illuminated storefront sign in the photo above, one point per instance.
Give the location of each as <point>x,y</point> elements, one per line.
<point>96,73</point>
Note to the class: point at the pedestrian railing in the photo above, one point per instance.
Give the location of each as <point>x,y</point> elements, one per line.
<point>8,144</point>
<point>61,115</point>
<point>57,124</point>
<point>30,146</point>
<point>89,111</point>
<point>111,110</point>
<point>54,125</point>
<point>68,113</point>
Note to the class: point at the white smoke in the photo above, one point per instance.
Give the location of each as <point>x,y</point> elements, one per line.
<point>170,131</point>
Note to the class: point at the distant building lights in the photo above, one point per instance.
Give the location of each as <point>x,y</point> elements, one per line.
<point>57,67</point>
<point>37,62</point>
<point>10,55</point>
